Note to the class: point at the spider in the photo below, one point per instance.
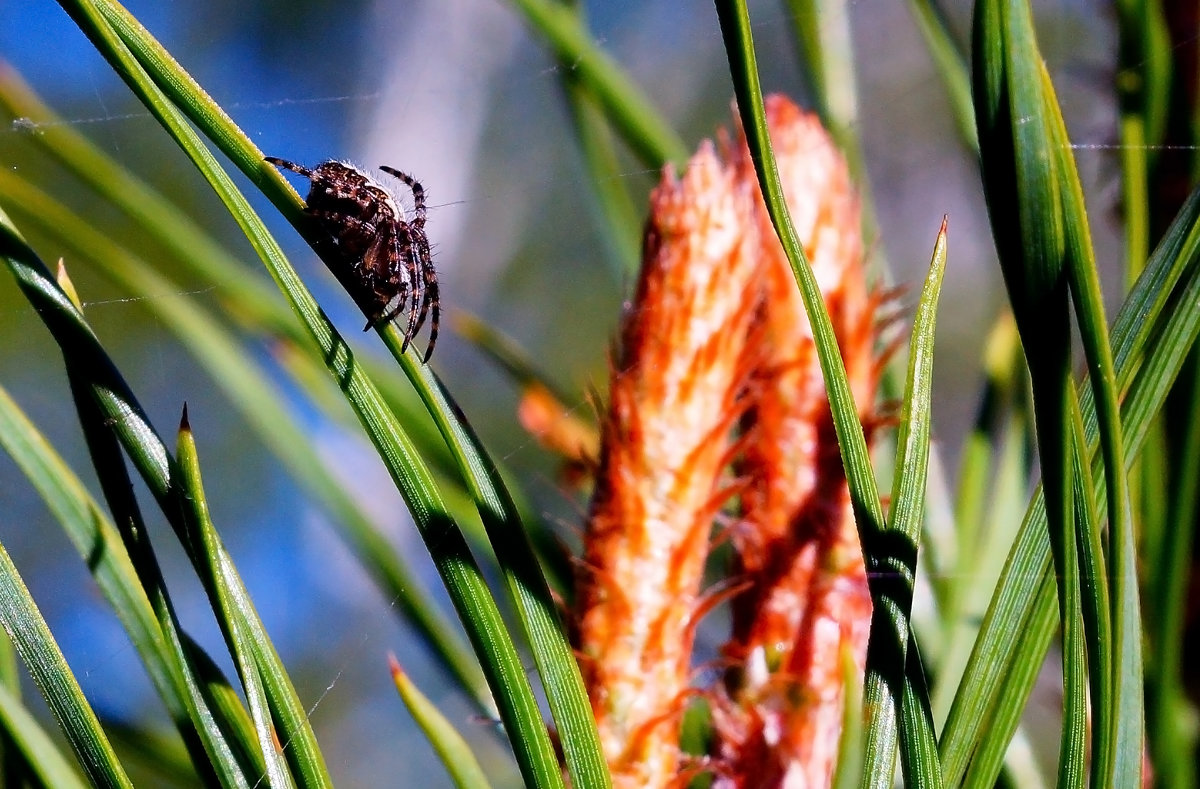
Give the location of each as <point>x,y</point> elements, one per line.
<point>381,259</point>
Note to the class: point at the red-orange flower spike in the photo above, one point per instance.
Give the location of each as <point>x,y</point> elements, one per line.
<point>718,336</point>
<point>673,402</point>
<point>780,720</point>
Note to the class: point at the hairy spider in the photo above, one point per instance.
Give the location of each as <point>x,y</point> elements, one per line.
<point>381,259</point>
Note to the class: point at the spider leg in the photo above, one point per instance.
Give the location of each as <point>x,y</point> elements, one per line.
<point>418,193</point>
<point>420,262</point>
<point>399,289</point>
<point>390,240</point>
<point>430,301</point>
<point>434,301</point>
<point>407,255</point>
<point>384,318</point>
<point>363,281</point>
<point>285,164</point>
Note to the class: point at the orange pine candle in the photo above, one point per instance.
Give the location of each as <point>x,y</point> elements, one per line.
<point>808,607</point>
<point>674,401</point>
<point>717,389</point>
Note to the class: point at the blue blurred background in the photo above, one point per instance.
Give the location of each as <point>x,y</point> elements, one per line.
<point>457,93</point>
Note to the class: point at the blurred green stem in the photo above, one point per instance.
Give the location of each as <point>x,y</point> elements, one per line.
<point>631,113</point>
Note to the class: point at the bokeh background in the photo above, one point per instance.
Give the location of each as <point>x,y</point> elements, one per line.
<point>457,93</point>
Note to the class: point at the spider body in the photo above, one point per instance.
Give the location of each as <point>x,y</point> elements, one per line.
<point>381,258</point>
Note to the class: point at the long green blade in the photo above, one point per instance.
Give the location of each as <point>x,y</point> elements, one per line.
<point>1142,327</point>
<point>889,629</point>
<point>259,399</point>
<point>37,748</point>
<point>468,591</point>
<point>918,742</point>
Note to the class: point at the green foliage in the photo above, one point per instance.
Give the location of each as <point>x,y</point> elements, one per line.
<point>1004,584</point>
